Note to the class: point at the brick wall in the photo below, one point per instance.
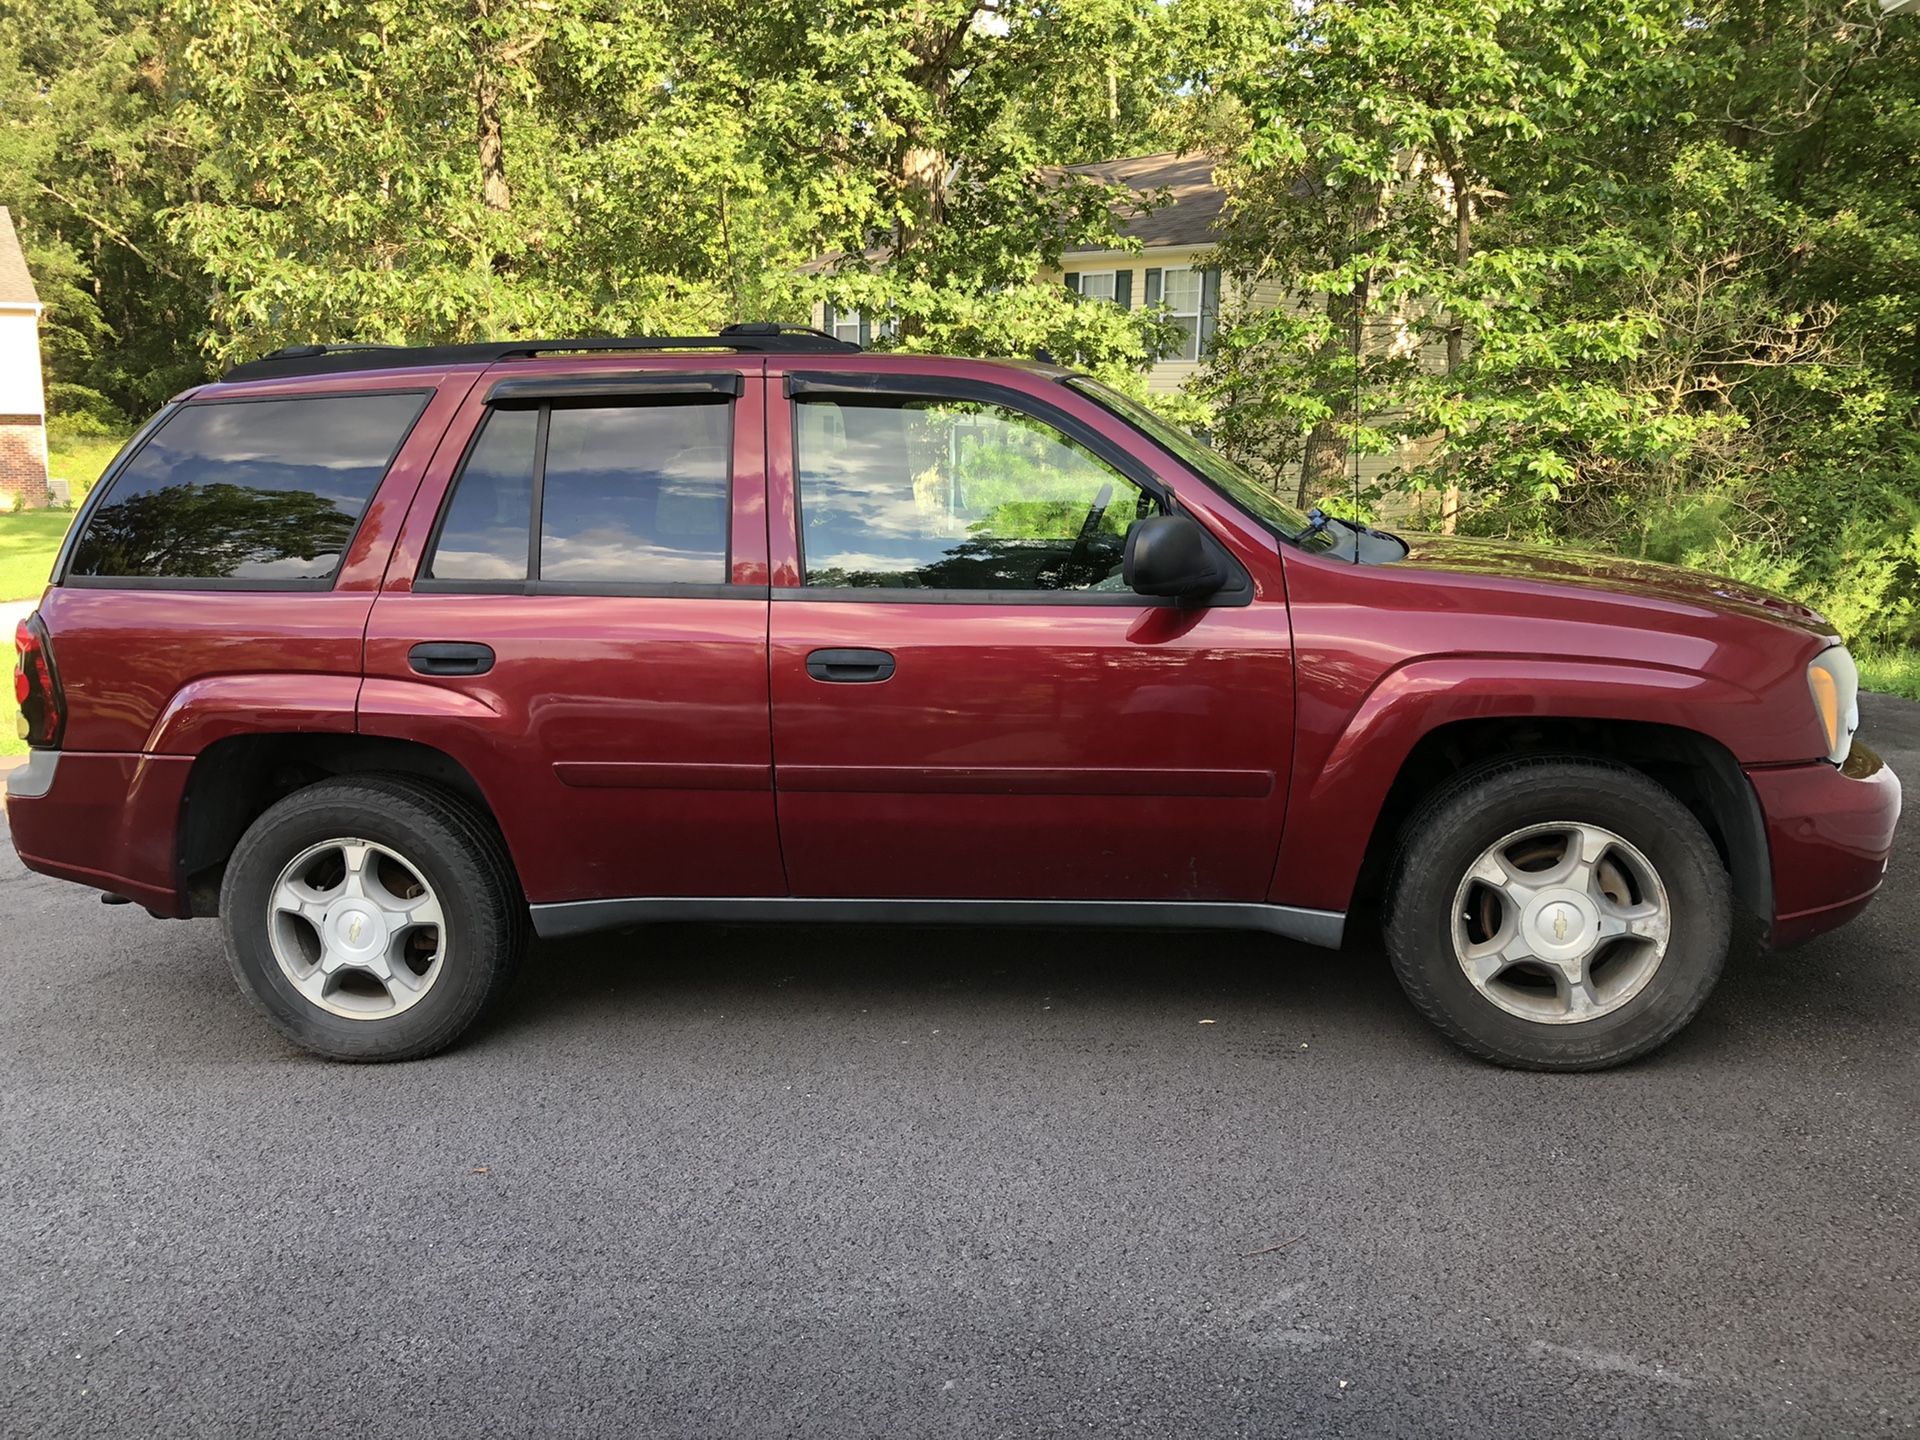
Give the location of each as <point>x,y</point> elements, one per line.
<point>23,460</point>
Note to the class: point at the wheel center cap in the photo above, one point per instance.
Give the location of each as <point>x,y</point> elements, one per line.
<point>358,929</point>
<point>1561,923</point>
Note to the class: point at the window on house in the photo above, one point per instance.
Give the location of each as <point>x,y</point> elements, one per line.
<point>1113,286</point>
<point>844,325</point>
<point>1191,296</point>
<point>1181,290</point>
<point>854,327</point>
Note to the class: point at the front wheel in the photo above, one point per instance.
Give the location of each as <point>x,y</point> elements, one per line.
<point>1558,914</point>
<point>372,918</point>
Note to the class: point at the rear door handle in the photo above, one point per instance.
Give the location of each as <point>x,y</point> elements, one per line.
<point>450,657</point>
<point>850,667</point>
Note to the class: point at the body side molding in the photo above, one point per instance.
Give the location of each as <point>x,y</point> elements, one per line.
<point>582,917</point>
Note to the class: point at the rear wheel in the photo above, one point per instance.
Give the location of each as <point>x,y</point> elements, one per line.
<point>372,918</point>
<point>1558,914</point>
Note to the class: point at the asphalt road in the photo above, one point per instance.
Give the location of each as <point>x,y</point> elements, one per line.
<point>847,1183</point>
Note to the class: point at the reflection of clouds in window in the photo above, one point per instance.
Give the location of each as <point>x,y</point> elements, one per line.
<point>498,554</point>
<point>484,534</point>
<point>614,554</point>
<point>636,494</point>
<point>328,445</point>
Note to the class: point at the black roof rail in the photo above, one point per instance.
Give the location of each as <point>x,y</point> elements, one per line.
<point>754,338</point>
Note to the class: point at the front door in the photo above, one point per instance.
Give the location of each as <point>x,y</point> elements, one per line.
<point>968,703</point>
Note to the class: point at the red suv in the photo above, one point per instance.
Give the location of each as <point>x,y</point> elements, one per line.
<point>390,657</point>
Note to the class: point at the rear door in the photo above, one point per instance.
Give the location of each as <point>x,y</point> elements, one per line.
<point>577,613</point>
<point>968,703</point>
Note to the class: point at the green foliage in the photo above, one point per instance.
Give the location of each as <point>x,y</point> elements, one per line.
<point>1636,274</point>
<point>1675,316</point>
<point>1891,672</point>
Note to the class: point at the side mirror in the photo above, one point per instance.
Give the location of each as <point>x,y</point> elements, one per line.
<point>1170,555</point>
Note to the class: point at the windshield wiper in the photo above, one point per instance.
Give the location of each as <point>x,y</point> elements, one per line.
<point>1317,520</point>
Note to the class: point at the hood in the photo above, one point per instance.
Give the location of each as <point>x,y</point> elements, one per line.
<point>1575,569</point>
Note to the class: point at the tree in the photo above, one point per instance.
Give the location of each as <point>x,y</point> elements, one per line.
<point>88,164</point>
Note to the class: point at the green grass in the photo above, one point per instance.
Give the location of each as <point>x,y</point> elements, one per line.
<point>28,541</point>
<point>1892,672</point>
<point>79,459</point>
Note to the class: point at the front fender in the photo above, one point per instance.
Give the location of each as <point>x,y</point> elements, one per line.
<point>1346,765</point>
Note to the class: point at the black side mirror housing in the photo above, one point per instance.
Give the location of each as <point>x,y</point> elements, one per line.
<point>1171,555</point>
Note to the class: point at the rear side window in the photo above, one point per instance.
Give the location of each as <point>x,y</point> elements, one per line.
<point>484,534</point>
<point>257,490</point>
<point>621,495</point>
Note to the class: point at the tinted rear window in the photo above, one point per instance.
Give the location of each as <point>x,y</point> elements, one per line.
<point>484,535</point>
<point>630,495</point>
<point>257,490</point>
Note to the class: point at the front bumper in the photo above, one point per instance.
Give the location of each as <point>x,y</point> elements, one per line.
<point>107,820</point>
<point>1829,832</point>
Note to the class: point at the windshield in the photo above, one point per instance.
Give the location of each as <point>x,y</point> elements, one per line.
<point>1231,479</point>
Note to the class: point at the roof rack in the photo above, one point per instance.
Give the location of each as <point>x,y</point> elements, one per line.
<point>756,338</point>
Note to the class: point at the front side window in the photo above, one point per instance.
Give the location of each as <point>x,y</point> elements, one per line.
<point>266,490</point>
<point>926,494</point>
<point>631,494</point>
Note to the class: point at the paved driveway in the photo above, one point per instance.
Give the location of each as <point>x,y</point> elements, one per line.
<point>869,1183</point>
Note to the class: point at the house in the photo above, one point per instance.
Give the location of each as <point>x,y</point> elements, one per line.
<point>1175,227</point>
<point>23,402</point>
<point>1171,266</point>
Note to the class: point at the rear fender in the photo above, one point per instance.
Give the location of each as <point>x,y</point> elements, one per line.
<point>220,707</point>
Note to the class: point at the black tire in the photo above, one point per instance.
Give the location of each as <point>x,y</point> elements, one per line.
<point>1460,821</point>
<point>455,849</point>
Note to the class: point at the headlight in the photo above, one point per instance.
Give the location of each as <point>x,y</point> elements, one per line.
<point>1835,682</point>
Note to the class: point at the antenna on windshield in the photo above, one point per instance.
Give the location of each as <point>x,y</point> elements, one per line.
<point>1353,444</point>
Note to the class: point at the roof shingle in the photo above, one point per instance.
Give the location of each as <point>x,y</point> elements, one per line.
<point>16,284</point>
<point>1190,209</point>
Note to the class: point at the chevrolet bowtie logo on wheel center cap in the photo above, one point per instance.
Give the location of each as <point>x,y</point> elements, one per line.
<point>357,929</point>
<point>1559,926</point>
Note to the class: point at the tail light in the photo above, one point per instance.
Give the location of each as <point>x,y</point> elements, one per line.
<point>36,686</point>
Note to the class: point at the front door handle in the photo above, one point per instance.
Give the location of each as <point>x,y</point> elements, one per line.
<point>450,657</point>
<point>850,667</point>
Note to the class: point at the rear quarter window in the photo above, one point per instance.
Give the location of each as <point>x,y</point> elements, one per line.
<point>257,490</point>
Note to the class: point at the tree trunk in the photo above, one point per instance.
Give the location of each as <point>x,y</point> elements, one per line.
<point>921,172</point>
<point>1323,462</point>
<point>494,191</point>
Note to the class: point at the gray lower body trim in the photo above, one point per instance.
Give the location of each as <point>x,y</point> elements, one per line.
<point>33,779</point>
<point>1314,927</point>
